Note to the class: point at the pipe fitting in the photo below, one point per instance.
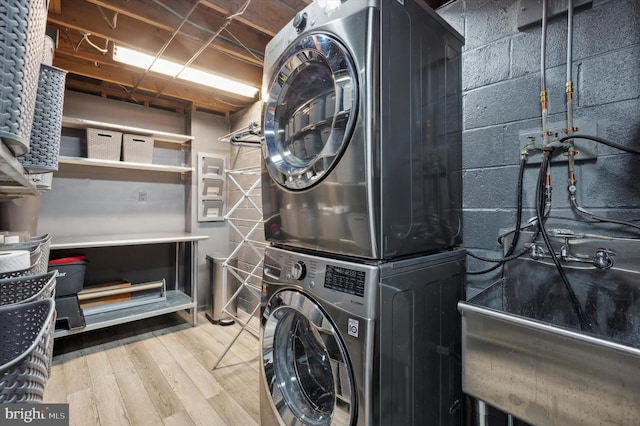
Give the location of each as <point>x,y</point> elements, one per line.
<point>543,99</point>
<point>569,90</point>
<point>603,259</point>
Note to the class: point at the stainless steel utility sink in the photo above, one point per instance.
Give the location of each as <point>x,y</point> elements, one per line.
<point>524,353</point>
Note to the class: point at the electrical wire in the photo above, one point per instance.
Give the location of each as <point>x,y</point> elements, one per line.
<point>113,23</point>
<point>163,49</point>
<point>584,324</point>
<point>85,36</point>
<point>602,141</point>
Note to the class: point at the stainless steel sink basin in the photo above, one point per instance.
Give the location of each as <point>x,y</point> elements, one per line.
<point>524,353</point>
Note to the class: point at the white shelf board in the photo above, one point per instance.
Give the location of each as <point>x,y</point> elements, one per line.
<point>88,241</point>
<point>80,123</point>
<point>92,162</point>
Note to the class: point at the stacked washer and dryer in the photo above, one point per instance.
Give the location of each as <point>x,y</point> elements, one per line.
<point>362,191</point>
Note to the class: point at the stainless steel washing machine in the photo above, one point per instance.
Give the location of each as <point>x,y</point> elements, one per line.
<point>345,343</point>
<point>362,128</point>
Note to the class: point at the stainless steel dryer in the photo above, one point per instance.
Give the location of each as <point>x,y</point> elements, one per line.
<point>346,343</point>
<point>362,126</point>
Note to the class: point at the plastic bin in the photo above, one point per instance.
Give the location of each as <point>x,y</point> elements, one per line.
<point>137,149</point>
<point>219,296</point>
<point>23,24</point>
<point>70,280</point>
<point>104,144</point>
<point>47,122</point>
<point>71,271</point>
<point>27,289</point>
<point>34,269</point>
<point>25,354</point>
<point>40,248</point>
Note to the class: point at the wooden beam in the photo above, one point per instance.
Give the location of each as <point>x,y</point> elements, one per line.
<point>113,91</point>
<point>266,16</point>
<point>85,17</point>
<point>55,6</point>
<point>126,77</point>
<point>202,23</point>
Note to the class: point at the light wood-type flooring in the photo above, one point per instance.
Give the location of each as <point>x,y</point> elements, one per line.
<point>157,372</point>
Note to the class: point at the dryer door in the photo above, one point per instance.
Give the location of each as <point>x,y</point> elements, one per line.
<point>305,363</point>
<point>310,111</point>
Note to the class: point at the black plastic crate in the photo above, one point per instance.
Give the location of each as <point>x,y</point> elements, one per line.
<point>71,271</point>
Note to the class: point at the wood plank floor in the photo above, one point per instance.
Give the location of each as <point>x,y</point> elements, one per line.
<point>157,371</point>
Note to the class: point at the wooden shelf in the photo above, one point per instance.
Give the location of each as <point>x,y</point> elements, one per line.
<point>92,162</point>
<point>80,123</point>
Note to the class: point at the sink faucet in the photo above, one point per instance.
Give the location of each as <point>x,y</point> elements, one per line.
<point>602,259</point>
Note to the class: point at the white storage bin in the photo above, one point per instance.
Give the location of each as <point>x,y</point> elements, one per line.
<point>104,144</point>
<point>137,148</point>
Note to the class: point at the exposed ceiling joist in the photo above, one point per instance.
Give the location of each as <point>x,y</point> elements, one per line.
<point>150,25</point>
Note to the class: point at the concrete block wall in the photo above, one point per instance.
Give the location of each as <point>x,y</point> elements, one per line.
<point>501,86</point>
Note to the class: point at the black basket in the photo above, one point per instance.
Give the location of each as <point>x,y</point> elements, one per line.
<point>27,289</point>
<point>47,122</point>
<point>26,333</point>
<point>22,31</point>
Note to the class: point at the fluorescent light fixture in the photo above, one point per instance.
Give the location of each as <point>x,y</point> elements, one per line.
<point>142,60</point>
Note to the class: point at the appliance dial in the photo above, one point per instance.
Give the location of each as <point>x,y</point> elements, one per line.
<point>299,270</point>
<point>300,21</point>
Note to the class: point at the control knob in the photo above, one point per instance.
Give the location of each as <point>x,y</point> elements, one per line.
<point>299,270</point>
<point>300,21</point>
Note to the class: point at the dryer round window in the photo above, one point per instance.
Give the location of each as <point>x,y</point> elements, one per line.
<point>310,111</point>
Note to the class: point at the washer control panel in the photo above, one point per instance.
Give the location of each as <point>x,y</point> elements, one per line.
<point>350,285</point>
<point>345,280</point>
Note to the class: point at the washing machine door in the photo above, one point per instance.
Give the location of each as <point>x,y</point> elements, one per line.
<point>305,363</point>
<point>310,111</point>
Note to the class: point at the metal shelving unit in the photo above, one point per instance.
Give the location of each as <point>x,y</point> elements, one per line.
<point>176,299</point>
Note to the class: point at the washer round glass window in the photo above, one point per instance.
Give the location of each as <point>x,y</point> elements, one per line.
<point>305,363</point>
<point>310,110</point>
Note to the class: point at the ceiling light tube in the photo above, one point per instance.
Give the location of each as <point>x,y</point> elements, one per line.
<point>173,69</point>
